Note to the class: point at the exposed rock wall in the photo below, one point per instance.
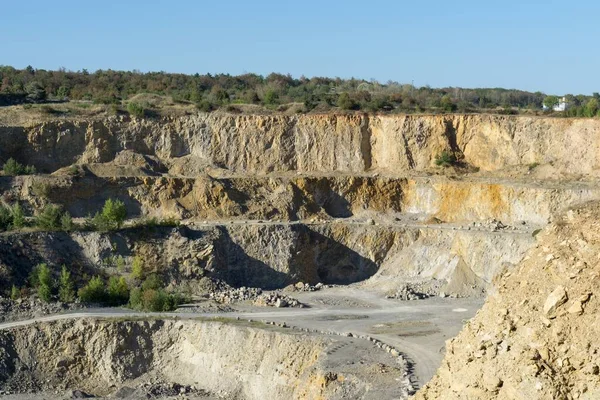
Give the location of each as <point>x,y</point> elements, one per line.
<point>353,144</point>
<point>272,255</point>
<point>96,356</point>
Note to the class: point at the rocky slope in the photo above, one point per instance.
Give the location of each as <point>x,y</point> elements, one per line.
<point>306,144</point>
<point>536,336</point>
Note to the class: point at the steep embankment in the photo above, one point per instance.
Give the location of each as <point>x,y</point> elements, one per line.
<point>536,336</point>
<point>306,144</point>
<point>236,360</point>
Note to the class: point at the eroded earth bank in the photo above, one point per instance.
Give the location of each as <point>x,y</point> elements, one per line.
<point>323,256</point>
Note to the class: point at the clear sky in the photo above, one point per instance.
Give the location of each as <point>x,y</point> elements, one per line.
<point>550,46</point>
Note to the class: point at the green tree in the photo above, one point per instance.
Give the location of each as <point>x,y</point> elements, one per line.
<point>49,218</point>
<point>591,108</point>
<point>18,217</point>
<point>66,289</point>
<point>137,268</point>
<point>345,102</point>
<point>447,104</point>
<point>93,292</point>
<point>13,168</point>
<point>44,280</point>
<point>15,293</point>
<point>112,216</point>
<point>35,91</point>
<point>551,101</point>
<point>118,291</point>
<point>66,222</point>
<point>271,98</point>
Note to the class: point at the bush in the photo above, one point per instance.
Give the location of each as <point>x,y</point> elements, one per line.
<point>112,216</point>
<point>14,168</point>
<point>445,159</point>
<point>66,289</point>
<point>49,218</point>
<point>136,110</point>
<point>345,102</point>
<point>152,297</point>
<point>271,98</point>
<point>44,281</point>
<point>118,291</point>
<point>205,106</point>
<point>94,291</point>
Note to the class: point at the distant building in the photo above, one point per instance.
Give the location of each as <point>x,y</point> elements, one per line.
<point>561,106</point>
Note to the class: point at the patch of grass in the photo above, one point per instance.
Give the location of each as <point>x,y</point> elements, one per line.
<point>446,159</point>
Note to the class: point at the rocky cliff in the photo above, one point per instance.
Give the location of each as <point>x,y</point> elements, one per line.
<point>307,144</point>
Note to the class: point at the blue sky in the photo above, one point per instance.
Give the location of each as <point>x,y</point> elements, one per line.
<point>550,46</point>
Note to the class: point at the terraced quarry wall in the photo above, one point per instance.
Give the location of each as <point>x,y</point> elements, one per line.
<point>334,199</point>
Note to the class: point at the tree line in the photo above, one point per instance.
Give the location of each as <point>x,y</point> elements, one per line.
<point>212,91</point>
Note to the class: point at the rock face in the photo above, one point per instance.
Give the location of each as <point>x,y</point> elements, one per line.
<point>536,336</point>
<point>272,256</point>
<point>351,144</point>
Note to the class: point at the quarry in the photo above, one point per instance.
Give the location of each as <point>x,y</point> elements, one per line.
<point>321,256</point>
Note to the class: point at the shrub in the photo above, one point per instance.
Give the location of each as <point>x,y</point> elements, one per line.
<point>18,217</point>
<point>445,159</point>
<point>40,189</point>
<point>66,289</point>
<point>49,218</point>
<point>118,291</point>
<point>44,280</point>
<point>136,110</point>
<point>205,106</point>
<point>345,102</point>
<point>447,104</point>
<point>94,291</point>
<point>271,98</point>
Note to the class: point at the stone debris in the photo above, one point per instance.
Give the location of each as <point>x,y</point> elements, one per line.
<point>408,292</point>
<point>276,299</point>
<point>13,310</point>
<point>557,298</point>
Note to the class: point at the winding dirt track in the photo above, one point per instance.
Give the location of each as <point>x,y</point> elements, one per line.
<point>417,328</point>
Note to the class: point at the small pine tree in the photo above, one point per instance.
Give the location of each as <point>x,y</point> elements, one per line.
<point>13,168</point>
<point>137,268</point>
<point>15,293</point>
<point>66,222</point>
<point>44,279</point>
<point>49,218</point>
<point>66,291</point>
<point>18,217</point>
